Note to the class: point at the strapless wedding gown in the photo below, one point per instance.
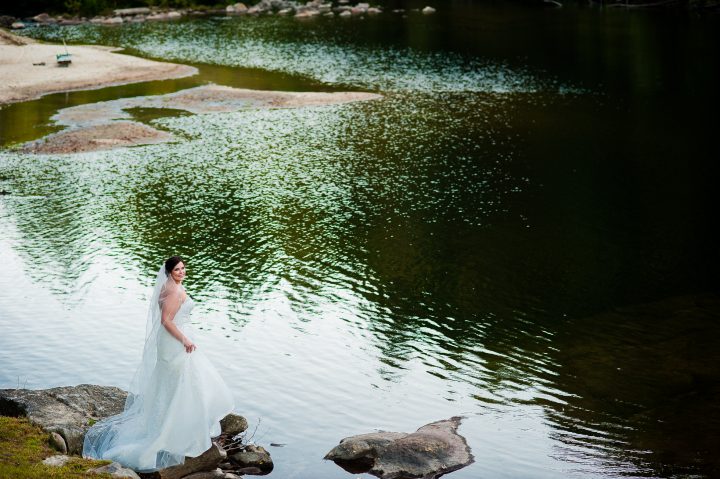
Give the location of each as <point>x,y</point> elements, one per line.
<point>176,414</point>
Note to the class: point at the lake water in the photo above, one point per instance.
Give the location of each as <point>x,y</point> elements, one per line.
<point>522,231</point>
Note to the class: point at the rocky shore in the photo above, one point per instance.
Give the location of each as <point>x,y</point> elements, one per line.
<point>313,8</point>
<point>66,413</point>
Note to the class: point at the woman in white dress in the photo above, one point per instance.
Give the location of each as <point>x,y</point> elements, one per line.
<point>176,397</point>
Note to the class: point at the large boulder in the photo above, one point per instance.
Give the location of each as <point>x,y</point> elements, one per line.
<point>68,411</point>
<point>431,451</point>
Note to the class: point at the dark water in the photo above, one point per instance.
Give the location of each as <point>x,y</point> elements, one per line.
<point>521,231</point>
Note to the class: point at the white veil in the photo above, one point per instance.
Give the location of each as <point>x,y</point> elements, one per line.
<point>141,379</point>
<point>130,426</point>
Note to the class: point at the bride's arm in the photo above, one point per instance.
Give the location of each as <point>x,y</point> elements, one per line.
<point>170,307</point>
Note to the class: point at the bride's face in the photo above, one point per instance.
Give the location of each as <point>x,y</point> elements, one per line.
<point>178,272</point>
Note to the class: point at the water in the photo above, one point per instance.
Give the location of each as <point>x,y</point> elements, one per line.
<point>520,232</point>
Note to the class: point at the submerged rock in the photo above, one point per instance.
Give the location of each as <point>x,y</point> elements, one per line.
<point>433,450</point>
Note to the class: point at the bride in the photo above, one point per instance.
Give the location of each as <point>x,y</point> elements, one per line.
<point>176,397</point>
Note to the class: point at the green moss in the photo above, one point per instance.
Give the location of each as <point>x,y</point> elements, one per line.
<point>23,446</point>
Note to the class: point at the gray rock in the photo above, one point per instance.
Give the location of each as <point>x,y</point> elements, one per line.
<point>253,456</point>
<point>66,410</point>
<point>307,14</point>
<point>112,21</point>
<point>44,18</point>
<point>174,15</point>
<point>131,11</point>
<point>57,442</point>
<point>17,25</point>
<point>56,461</point>
<point>428,10</point>
<point>215,474</point>
<point>345,13</point>
<point>116,470</point>
<point>233,424</point>
<point>373,11</point>
<point>433,450</point>
<point>158,17</point>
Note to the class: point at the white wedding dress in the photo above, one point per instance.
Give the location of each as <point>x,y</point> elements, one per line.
<point>174,406</point>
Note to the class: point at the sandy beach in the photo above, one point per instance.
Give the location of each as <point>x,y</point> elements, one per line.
<point>28,69</point>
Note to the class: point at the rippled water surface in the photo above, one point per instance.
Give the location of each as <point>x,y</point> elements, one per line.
<point>521,231</point>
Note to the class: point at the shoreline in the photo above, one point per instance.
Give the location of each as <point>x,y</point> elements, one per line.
<point>28,69</point>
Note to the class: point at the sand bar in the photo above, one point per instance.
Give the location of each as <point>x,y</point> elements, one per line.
<point>109,124</point>
<point>24,77</point>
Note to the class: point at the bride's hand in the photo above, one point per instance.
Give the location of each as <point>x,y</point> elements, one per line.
<point>189,345</point>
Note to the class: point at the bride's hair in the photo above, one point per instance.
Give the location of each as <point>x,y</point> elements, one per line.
<point>171,262</point>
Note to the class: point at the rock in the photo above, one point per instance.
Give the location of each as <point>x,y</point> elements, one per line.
<point>253,456</point>
<point>65,410</point>
<point>116,470</point>
<point>325,8</point>
<point>233,424</point>
<point>250,471</point>
<point>158,17</point>
<point>363,6</point>
<point>44,18</point>
<point>173,15</point>
<point>112,21</point>
<point>329,14</point>
<point>240,7</point>
<point>56,461</point>
<point>428,10</point>
<point>57,442</point>
<point>345,13</point>
<point>138,19</point>
<point>127,12</point>
<point>433,450</point>
<point>70,21</point>
<point>307,14</point>
<point>373,11</point>
<point>357,11</point>
<point>6,21</point>
<point>97,20</point>
<point>207,461</point>
<point>214,474</point>
<point>17,25</point>
<point>230,9</point>
<point>285,11</point>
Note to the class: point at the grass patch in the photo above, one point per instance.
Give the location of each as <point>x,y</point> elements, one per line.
<point>23,446</point>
